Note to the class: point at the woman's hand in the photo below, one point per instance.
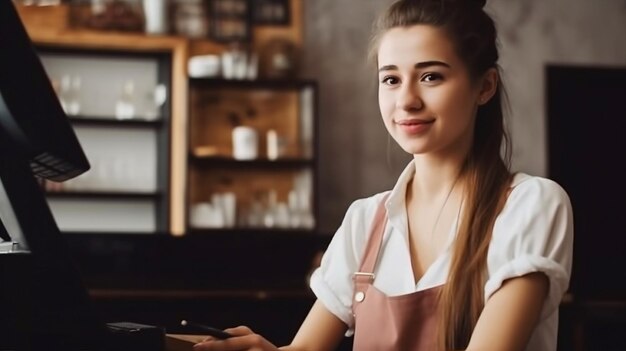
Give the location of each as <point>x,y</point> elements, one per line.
<point>242,339</point>
<point>321,331</point>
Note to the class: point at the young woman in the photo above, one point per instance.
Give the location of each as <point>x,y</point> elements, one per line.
<point>461,254</point>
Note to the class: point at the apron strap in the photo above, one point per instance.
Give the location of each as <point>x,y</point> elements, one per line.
<point>365,275</point>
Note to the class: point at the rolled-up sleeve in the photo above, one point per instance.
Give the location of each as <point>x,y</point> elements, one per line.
<point>332,282</point>
<point>533,233</point>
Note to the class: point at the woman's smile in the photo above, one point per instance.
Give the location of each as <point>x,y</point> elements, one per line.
<point>413,126</point>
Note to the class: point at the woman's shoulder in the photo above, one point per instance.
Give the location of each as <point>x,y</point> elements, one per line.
<point>534,207</point>
<point>366,207</point>
<point>529,190</point>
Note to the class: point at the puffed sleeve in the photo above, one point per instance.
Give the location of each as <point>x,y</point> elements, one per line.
<point>533,233</point>
<point>332,282</point>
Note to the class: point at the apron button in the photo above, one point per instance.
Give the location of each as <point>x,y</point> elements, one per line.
<point>359,296</point>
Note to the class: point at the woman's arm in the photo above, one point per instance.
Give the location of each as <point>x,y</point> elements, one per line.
<point>510,315</point>
<point>320,331</point>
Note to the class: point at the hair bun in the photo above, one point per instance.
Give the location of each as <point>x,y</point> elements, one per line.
<point>477,4</point>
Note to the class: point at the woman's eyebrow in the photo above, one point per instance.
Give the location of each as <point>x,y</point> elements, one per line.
<point>431,63</point>
<point>388,68</point>
<point>419,65</point>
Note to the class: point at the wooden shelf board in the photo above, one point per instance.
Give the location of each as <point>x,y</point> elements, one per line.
<point>258,163</point>
<point>113,195</point>
<point>111,121</point>
<point>249,231</point>
<point>283,84</point>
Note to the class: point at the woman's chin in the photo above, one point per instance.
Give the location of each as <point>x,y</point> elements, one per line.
<point>412,148</point>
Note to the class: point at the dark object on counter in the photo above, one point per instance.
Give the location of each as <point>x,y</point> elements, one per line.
<point>136,337</point>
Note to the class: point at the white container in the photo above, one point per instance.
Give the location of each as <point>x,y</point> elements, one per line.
<point>245,143</point>
<point>204,66</point>
<point>155,12</point>
<point>228,203</point>
<point>206,215</point>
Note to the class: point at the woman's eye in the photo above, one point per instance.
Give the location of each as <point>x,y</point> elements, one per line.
<point>431,77</point>
<point>390,80</point>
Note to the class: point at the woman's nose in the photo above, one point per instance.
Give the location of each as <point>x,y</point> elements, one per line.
<point>409,99</point>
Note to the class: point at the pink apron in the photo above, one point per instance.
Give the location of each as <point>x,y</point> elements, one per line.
<point>406,322</point>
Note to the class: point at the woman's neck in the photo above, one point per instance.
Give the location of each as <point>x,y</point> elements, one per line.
<point>434,177</point>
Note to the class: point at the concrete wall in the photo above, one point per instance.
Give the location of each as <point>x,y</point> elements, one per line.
<point>357,158</point>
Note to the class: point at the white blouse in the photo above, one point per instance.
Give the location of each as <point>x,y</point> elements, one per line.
<point>533,233</point>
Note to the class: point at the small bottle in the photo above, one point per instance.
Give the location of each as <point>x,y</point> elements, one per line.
<point>272,144</point>
<point>269,220</point>
<point>252,70</point>
<point>64,91</point>
<point>125,106</point>
<point>156,99</point>
<point>294,211</point>
<point>69,94</point>
<point>73,102</point>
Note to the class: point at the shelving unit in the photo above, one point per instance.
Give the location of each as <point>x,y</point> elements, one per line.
<point>50,26</point>
<point>128,185</point>
<point>265,189</point>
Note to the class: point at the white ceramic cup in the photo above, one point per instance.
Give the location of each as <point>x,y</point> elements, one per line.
<point>245,143</point>
<point>155,12</point>
<point>206,215</point>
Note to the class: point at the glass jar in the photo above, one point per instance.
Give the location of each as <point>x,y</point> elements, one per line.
<point>190,19</point>
<point>122,15</point>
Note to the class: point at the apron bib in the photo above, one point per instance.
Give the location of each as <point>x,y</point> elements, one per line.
<point>403,323</point>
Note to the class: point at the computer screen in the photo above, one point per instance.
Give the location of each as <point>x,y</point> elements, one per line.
<point>43,303</point>
<point>30,113</point>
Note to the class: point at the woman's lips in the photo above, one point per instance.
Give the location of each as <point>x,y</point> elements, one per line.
<point>415,126</point>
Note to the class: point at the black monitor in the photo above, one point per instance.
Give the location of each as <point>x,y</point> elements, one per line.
<point>43,303</point>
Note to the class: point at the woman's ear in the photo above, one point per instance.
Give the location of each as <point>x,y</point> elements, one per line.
<point>488,86</point>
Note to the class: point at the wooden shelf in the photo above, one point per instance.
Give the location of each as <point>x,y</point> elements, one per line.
<point>52,24</point>
<point>274,84</point>
<point>258,163</point>
<point>104,195</point>
<point>107,40</point>
<point>249,231</point>
<point>112,122</point>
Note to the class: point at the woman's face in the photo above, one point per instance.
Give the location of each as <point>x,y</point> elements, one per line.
<point>427,100</point>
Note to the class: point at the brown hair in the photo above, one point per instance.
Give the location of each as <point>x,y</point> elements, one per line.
<point>485,171</point>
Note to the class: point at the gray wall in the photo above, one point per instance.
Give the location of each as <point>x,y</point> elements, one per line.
<point>357,158</point>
